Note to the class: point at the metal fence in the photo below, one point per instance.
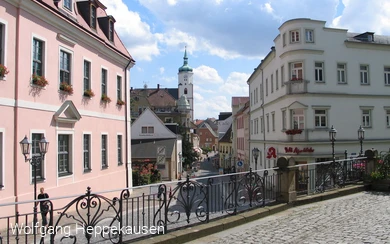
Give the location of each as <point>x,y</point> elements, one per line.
<point>137,213</point>
<point>319,177</point>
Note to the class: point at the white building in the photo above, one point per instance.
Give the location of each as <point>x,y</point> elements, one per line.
<point>315,77</point>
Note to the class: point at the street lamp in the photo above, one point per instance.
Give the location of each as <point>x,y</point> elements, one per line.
<point>332,138</point>
<point>35,160</point>
<point>255,153</point>
<point>361,138</point>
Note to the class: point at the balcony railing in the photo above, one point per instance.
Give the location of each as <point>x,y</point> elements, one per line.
<point>296,86</point>
<point>303,136</point>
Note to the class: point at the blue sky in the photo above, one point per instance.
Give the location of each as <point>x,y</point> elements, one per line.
<point>225,39</point>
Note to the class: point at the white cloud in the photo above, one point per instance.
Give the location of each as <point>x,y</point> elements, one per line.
<point>206,75</point>
<point>161,70</point>
<point>212,107</point>
<point>267,8</point>
<point>236,85</point>
<point>172,2</point>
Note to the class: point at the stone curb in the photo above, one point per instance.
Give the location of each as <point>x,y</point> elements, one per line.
<point>202,230</point>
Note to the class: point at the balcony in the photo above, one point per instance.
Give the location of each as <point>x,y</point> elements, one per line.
<point>294,135</point>
<point>296,86</point>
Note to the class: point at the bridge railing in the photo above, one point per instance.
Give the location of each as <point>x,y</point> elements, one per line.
<point>138,212</point>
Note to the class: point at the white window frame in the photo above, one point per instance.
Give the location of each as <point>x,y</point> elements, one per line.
<point>68,4</point>
<point>282,75</point>
<point>89,168</point>
<point>364,74</point>
<point>105,84</point>
<point>299,118</point>
<point>104,150</point>
<point>70,154</point>
<point>366,117</point>
<point>284,119</point>
<point>120,156</point>
<point>272,83</point>
<point>319,72</point>
<point>261,124</point>
<point>87,80</point>
<point>119,85</point>
<point>386,71</point>
<point>2,156</point>
<point>295,36</point>
<point>341,73</point>
<point>267,117</point>
<point>273,121</point>
<point>43,58</point>
<point>3,41</point>
<point>42,163</point>
<point>277,79</point>
<point>70,69</point>
<point>318,114</point>
<point>309,35</point>
<point>284,39</point>
<point>266,87</point>
<point>296,71</point>
<point>387,118</point>
<point>149,130</point>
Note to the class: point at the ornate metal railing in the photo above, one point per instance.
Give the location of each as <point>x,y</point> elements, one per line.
<point>136,213</point>
<point>319,177</point>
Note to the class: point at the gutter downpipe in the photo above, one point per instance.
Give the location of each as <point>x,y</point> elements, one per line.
<point>127,112</point>
<point>262,107</point>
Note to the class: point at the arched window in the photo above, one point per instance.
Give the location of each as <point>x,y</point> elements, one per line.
<point>185,90</point>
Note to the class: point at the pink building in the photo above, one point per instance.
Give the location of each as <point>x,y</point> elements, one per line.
<point>82,111</point>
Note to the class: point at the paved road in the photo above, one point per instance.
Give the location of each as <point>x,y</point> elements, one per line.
<point>358,218</point>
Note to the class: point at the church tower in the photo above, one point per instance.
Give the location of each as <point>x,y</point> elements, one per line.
<point>185,86</point>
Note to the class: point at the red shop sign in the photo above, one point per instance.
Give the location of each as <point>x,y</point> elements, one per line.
<point>271,152</point>
<point>298,151</point>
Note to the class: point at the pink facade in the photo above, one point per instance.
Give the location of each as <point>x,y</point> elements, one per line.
<point>88,137</point>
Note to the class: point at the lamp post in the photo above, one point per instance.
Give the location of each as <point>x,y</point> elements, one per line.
<point>255,153</point>
<point>361,138</point>
<point>25,146</point>
<point>332,138</point>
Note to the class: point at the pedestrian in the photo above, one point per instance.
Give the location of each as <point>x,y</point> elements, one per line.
<point>44,207</point>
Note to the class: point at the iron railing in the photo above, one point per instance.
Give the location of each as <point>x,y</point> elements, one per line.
<point>319,177</point>
<point>136,213</point>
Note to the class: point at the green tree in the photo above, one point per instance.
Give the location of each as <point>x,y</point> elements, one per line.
<point>189,155</point>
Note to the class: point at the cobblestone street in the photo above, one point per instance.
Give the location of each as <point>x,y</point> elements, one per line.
<point>357,218</point>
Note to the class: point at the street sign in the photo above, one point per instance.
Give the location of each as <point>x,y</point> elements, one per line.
<point>240,163</point>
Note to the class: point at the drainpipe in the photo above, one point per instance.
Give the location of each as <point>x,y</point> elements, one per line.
<point>262,107</point>
<point>127,112</point>
<point>16,110</point>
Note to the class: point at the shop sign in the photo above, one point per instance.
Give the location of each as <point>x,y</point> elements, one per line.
<point>298,150</point>
<point>271,153</point>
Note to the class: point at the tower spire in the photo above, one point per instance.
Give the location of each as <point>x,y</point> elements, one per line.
<point>185,56</point>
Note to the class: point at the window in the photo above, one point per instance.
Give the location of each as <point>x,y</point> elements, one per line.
<point>320,118</point>
<point>294,36</point>
<point>298,119</point>
<point>284,118</point>
<point>65,69</point>
<point>282,75</point>
<point>273,121</point>
<point>364,75</point>
<point>119,142</point>
<point>185,91</point>
<point>319,72</point>
<point>93,17</point>
<point>387,119</point>
<point>309,35</point>
<point>272,83</point>
<point>266,87</point>
<point>2,41</point>
<point>68,4</point>
<point>111,30</point>
<point>257,95</point>
<point>297,71</point>
<point>284,39</point>
<point>119,87</point>
<point>341,73</point>
<point>87,75</point>
<point>104,81</point>
<point>366,118</point>
<point>87,152</point>
<point>147,130</point>
<point>267,116</point>
<point>1,160</point>
<point>387,75</point>
<point>64,155</point>
<point>35,151</point>
<point>277,79</point>
<point>104,152</point>
<point>168,120</point>
<point>261,125</point>
<point>37,57</point>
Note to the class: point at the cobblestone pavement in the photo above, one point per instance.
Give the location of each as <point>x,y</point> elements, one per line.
<point>358,218</point>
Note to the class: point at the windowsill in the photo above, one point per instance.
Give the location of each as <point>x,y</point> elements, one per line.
<point>104,167</point>
<point>3,78</point>
<point>387,85</point>
<point>87,170</point>
<point>320,82</point>
<point>65,174</point>
<point>120,164</point>
<point>64,92</point>
<point>367,127</point>
<point>1,186</point>
<point>39,180</point>
<point>38,87</point>
<point>321,129</point>
<point>87,97</point>
<point>362,84</point>
<point>342,83</point>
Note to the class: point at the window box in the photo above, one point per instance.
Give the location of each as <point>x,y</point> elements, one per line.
<point>293,131</point>
<point>3,70</point>
<point>88,93</point>
<point>105,98</point>
<point>120,102</point>
<point>66,88</point>
<point>39,80</point>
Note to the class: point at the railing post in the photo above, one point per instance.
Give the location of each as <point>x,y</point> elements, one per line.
<point>250,189</point>
<point>264,186</point>
<point>371,155</point>
<point>287,179</point>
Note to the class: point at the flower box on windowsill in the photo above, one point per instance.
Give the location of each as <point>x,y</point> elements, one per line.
<point>120,102</point>
<point>105,98</point>
<point>66,88</point>
<point>3,71</point>
<point>89,93</point>
<point>293,131</point>
<point>40,81</point>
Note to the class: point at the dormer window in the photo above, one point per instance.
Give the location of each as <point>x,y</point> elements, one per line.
<point>93,17</point>
<point>68,4</point>
<point>370,37</point>
<point>110,30</point>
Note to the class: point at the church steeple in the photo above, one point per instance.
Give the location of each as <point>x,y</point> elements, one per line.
<point>185,66</point>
